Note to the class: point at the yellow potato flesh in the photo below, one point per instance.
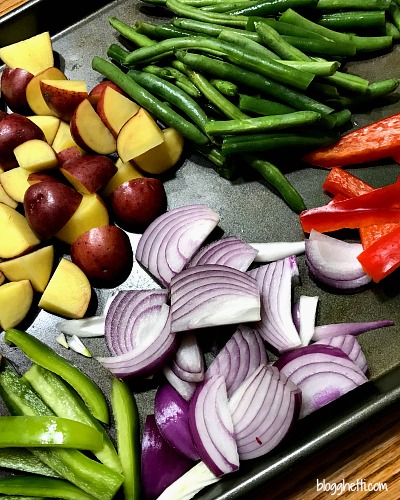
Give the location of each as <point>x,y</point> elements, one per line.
<point>18,236</point>
<point>49,125</point>
<point>16,299</point>
<point>126,171</point>
<point>63,138</point>
<point>68,292</point>
<point>36,155</point>
<point>15,183</point>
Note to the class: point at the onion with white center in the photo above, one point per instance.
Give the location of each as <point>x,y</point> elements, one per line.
<point>188,362</point>
<point>130,317</point>
<point>228,251</point>
<point>171,412</point>
<point>212,295</point>
<point>264,408</point>
<point>334,262</point>
<point>322,332</point>
<point>275,281</point>
<point>276,250</point>
<point>323,373</point>
<point>185,389</point>
<point>350,346</point>
<point>241,355</point>
<point>85,327</point>
<point>212,427</point>
<point>171,240</point>
<point>149,356</point>
<point>304,315</point>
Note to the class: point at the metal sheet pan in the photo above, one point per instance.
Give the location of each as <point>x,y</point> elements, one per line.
<point>250,210</point>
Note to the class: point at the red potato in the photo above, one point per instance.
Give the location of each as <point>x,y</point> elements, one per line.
<point>137,202</point>
<point>35,177</point>
<point>68,154</point>
<point>89,173</point>
<point>49,205</point>
<point>13,88</point>
<point>104,254</point>
<point>63,96</point>
<point>14,130</point>
<point>97,90</point>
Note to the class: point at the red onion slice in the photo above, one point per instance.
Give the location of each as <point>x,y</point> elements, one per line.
<point>212,295</point>
<point>161,465</point>
<point>145,360</point>
<point>228,251</point>
<point>323,373</point>
<point>169,242</point>
<point>304,315</point>
<point>350,346</point>
<point>322,332</point>
<point>130,316</point>
<point>334,262</point>
<point>212,428</point>
<point>171,412</point>
<point>241,355</point>
<point>277,250</point>
<point>264,408</point>
<point>185,389</point>
<point>188,362</point>
<point>276,326</point>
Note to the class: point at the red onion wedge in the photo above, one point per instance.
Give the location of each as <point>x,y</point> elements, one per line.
<point>185,389</point>
<point>241,355</point>
<point>161,465</point>
<point>170,241</point>
<point>188,362</point>
<point>276,326</point>
<point>263,408</point>
<point>228,251</point>
<point>350,346</point>
<point>334,262</point>
<point>171,412</point>
<point>322,332</point>
<point>212,428</point>
<point>130,317</point>
<point>212,295</point>
<point>149,356</point>
<point>323,373</point>
<point>276,250</point>
<point>304,314</point>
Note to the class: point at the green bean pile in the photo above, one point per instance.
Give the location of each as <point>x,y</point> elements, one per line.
<point>242,79</point>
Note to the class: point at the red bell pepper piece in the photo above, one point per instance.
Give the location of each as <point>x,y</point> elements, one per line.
<point>340,181</point>
<point>382,257</point>
<point>376,141</point>
<point>380,206</point>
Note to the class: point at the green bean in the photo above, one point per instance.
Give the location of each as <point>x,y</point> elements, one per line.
<point>144,98</point>
<point>226,88</point>
<point>225,167</point>
<point>253,80</point>
<point>375,90</point>
<point>261,124</point>
<point>394,13</point>
<point>227,6</point>
<point>353,4</point>
<point>272,39</point>
<point>353,20</point>
<point>326,47</point>
<point>250,60</point>
<point>336,120</point>
<point>130,33</point>
<point>352,83</point>
<point>159,31</point>
<point>117,53</point>
<point>372,43</point>
<point>210,29</point>
<point>183,10</point>
<point>317,68</point>
<point>391,30</point>
<point>283,28</point>
<point>246,44</point>
<point>172,94</point>
<point>275,141</point>
<point>260,106</point>
<point>277,180</point>
<point>272,7</point>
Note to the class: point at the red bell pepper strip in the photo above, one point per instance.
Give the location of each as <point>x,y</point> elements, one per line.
<point>340,182</point>
<point>379,206</point>
<point>376,141</point>
<point>382,257</point>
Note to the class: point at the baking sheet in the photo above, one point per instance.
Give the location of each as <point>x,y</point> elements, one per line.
<point>248,209</point>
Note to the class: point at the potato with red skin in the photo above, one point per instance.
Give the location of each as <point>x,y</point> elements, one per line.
<point>14,130</point>
<point>99,88</point>
<point>137,202</point>
<point>68,154</point>
<point>104,254</point>
<point>13,88</point>
<point>88,173</point>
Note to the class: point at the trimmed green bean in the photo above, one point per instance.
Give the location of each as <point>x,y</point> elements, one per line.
<point>172,94</point>
<point>275,178</point>
<point>226,88</point>
<point>323,47</point>
<point>391,30</point>
<point>353,4</point>
<point>372,43</point>
<point>262,123</point>
<point>283,28</point>
<point>144,98</point>
<point>352,83</point>
<point>375,90</point>
<point>394,13</point>
<point>159,31</point>
<point>336,120</point>
<point>247,44</point>
<point>272,39</point>
<point>241,76</point>
<point>353,20</point>
<point>317,68</point>
<point>247,59</point>
<point>170,73</point>
<point>227,6</point>
<point>117,53</point>
<point>272,7</point>
<point>210,29</point>
<point>182,10</point>
<point>130,33</point>
<point>260,106</point>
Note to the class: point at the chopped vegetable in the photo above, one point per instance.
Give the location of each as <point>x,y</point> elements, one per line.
<point>76,344</point>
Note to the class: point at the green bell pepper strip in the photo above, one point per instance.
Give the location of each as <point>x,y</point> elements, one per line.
<point>65,402</point>
<point>36,486</point>
<point>43,355</point>
<point>59,432</point>
<point>128,439</point>
<point>23,460</point>
<point>94,478</point>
